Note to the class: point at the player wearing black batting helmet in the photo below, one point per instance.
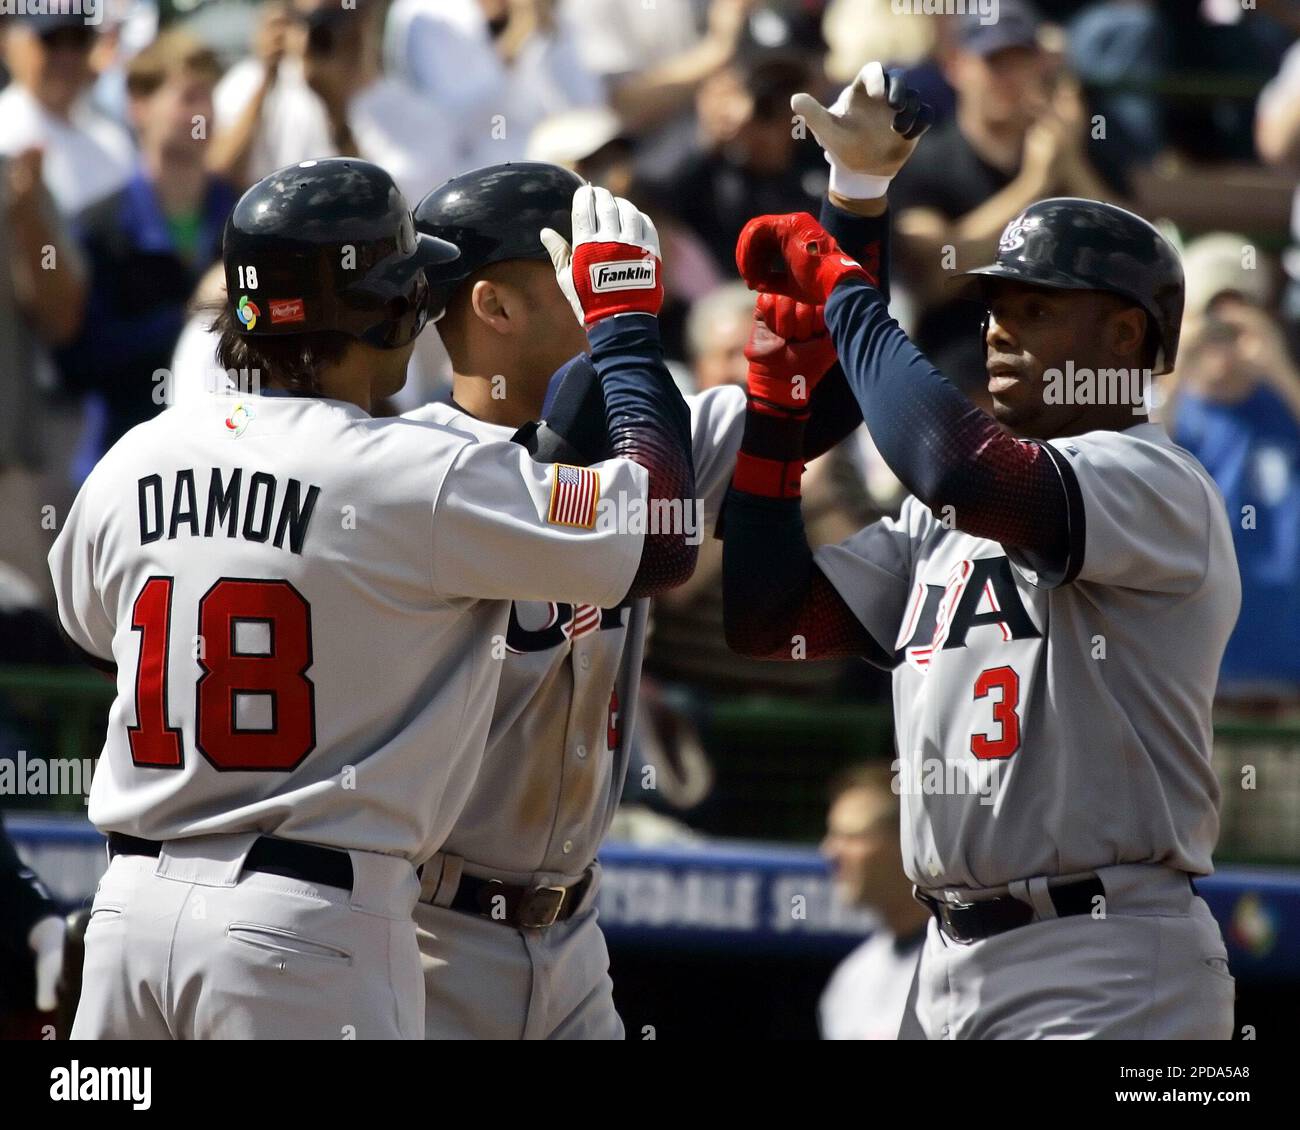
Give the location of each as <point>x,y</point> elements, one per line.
<point>1053,602</point>
<point>321,258</point>
<point>494,214</point>
<point>503,312</point>
<point>509,935</point>
<point>330,245</point>
<point>1066,243</point>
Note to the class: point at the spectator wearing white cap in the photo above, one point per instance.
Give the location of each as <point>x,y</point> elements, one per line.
<point>86,156</point>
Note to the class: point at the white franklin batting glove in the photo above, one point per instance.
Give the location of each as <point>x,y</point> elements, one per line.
<point>614,266</point>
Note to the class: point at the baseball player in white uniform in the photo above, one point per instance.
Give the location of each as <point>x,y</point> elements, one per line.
<point>302,606</point>
<point>1054,600</point>
<point>508,928</point>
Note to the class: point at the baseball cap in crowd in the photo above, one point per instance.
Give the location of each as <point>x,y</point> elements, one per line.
<point>1212,265</point>
<point>1016,24</point>
<point>572,136</point>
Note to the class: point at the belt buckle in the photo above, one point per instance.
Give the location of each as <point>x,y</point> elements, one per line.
<point>950,926</point>
<point>942,910</point>
<point>541,906</point>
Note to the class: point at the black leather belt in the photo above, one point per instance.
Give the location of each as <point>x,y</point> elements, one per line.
<point>525,908</point>
<point>967,922</point>
<point>309,863</point>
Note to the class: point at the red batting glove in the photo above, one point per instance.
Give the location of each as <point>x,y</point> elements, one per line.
<point>789,351</point>
<point>795,256</point>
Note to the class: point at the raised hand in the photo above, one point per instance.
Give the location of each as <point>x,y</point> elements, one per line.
<point>789,351</point>
<point>869,132</point>
<point>614,266</point>
<point>795,256</point>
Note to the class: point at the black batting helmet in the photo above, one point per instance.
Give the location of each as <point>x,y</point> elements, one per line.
<point>495,213</point>
<point>1072,244</point>
<point>330,245</point>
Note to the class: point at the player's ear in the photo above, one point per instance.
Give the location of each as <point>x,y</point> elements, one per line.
<point>490,305</point>
<point>1127,333</point>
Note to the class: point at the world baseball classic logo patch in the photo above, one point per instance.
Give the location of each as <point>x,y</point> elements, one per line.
<point>574,494</point>
<point>623,274</point>
<point>247,312</point>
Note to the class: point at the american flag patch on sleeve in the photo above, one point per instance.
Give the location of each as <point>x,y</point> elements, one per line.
<point>574,494</point>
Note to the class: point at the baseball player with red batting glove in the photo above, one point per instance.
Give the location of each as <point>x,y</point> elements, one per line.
<point>509,934</point>
<point>1053,601</point>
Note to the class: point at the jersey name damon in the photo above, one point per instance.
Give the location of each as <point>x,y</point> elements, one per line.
<point>256,507</point>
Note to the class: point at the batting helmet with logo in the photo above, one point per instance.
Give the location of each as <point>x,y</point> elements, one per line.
<point>1072,244</point>
<point>330,245</point>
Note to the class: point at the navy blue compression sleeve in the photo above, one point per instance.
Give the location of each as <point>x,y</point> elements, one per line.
<point>648,422</point>
<point>777,604</point>
<point>944,450</point>
<point>865,238</point>
<point>834,410</point>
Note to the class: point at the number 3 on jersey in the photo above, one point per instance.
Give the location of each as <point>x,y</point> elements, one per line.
<point>256,638</point>
<point>1006,683</point>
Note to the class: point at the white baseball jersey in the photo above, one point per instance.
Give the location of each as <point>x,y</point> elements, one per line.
<point>865,997</point>
<point>557,752</point>
<point>1049,726</point>
<point>291,592</point>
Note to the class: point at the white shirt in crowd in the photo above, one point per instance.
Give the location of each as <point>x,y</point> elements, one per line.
<point>617,37</point>
<point>866,994</point>
<point>86,158</point>
<point>393,126</point>
<point>443,49</point>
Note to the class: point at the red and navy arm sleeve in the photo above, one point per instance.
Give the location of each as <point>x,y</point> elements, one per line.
<point>947,452</point>
<point>835,413</point>
<point>648,423</point>
<point>777,604</point>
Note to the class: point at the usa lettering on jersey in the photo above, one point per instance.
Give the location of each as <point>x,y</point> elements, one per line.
<point>979,591</point>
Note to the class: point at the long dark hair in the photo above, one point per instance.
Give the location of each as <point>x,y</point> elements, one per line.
<point>292,362</point>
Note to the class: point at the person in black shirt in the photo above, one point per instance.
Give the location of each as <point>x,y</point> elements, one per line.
<point>748,161</point>
<point>1019,135</point>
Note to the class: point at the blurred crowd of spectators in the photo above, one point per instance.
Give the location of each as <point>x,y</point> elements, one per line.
<point>123,145</point>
